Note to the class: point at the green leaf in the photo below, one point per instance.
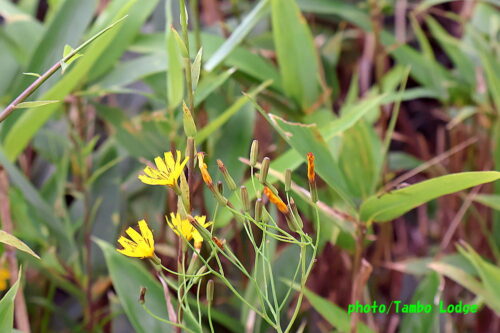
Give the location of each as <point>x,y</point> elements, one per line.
<point>42,209</point>
<point>297,56</point>
<point>344,9</point>
<point>489,273</point>
<point>209,83</point>
<point>394,204</point>
<point>65,63</point>
<point>32,120</point>
<point>351,114</point>
<point>11,240</point>
<point>359,159</point>
<point>468,281</point>
<point>65,27</point>
<point>128,276</point>
<point>429,73</point>
<point>334,314</point>
<point>144,143</point>
<point>419,266</point>
<point>248,23</point>
<point>34,104</point>
<point>213,125</point>
<point>138,12</point>
<point>196,68</point>
<point>455,50</point>
<point>307,138</point>
<point>425,293</point>
<point>490,200</point>
<point>7,306</point>
<point>130,71</point>
<point>175,53</point>
<point>32,74</point>
<point>175,75</point>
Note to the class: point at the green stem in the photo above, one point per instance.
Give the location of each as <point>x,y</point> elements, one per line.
<point>307,272</point>
<point>165,320</point>
<point>185,37</point>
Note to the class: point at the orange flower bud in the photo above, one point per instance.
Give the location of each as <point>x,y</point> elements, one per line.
<point>276,200</point>
<point>205,175</point>
<point>219,243</point>
<point>310,168</point>
<point>204,170</point>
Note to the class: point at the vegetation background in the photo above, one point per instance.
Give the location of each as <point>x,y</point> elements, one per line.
<point>395,91</point>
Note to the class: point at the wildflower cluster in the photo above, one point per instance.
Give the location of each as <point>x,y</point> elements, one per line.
<point>169,171</point>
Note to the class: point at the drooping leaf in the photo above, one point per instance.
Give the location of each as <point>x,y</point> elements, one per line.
<point>391,205</point>
<point>11,240</point>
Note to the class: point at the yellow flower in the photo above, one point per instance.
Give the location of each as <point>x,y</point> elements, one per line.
<point>4,277</point>
<point>186,229</point>
<point>141,246</point>
<point>167,170</point>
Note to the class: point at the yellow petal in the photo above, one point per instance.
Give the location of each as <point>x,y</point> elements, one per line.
<point>126,243</point>
<point>201,220</point>
<point>172,224</point>
<point>160,164</point>
<point>151,181</point>
<point>151,172</point>
<point>4,274</point>
<point>197,239</point>
<point>135,236</point>
<point>169,160</point>
<point>146,233</point>
<point>130,253</point>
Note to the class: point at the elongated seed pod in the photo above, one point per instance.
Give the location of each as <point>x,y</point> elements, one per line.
<point>254,152</point>
<point>264,169</point>
<point>245,198</point>
<point>288,180</point>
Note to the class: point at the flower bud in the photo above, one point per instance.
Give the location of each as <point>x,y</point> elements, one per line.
<point>188,121</point>
<point>258,209</point>
<point>227,177</point>
<point>220,187</point>
<point>264,169</point>
<point>204,170</point>
<point>210,291</point>
<point>297,223</point>
<point>254,152</point>
<point>311,177</point>
<point>288,180</point>
<point>276,200</point>
<point>200,272</point>
<point>245,198</point>
<point>220,243</point>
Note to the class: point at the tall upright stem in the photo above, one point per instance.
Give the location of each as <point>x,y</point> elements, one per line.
<point>185,37</point>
